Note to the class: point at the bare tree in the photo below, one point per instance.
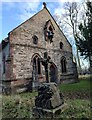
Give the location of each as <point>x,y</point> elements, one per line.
<point>70,19</point>
<point>73,16</point>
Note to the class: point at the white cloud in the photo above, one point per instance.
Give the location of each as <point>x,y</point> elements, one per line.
<point>25,15</point>
<point>40,1</point>
<point>28,9</point>
<point>27,1</point>
<point>31,5</point>
<point>70,0</point>
<point>59,11</point>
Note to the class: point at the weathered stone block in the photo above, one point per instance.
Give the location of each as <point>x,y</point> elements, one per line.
<point>48,102</point>
<point>48,96</point>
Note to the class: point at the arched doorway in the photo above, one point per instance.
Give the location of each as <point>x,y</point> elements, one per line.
<point>53,73</point>
<point>63,64</point>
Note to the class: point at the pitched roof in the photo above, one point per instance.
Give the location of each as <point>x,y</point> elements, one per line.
<point>34,16</point>
<point>58,27</point>
<point>25,21</point>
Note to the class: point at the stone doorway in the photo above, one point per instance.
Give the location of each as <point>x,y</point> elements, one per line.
<point>53,73</point>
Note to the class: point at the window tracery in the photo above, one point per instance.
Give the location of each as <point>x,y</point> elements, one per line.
<point>49,31</point>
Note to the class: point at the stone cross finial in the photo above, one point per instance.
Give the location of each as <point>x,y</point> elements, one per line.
<point>44,4</point>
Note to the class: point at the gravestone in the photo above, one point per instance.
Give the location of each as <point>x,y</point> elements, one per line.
<point>49,102</point>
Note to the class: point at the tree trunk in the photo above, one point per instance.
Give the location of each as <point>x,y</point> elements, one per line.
<point>78,61</point>
<point>90,61</point>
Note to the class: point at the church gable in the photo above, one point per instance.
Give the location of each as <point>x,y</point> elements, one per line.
<point>36,45</point>
<point>43,26</point>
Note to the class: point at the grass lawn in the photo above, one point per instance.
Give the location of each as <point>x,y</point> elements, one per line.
<point>83,84</point>
<point>15,107</point>
<point>20,105</point>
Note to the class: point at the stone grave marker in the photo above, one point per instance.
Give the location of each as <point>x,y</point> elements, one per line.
<point>49,102</point>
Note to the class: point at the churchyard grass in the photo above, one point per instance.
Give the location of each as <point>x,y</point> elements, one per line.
<point>20,105</point>
<point>15,107</point>
<point>77,108</point>
<point>83,84</point>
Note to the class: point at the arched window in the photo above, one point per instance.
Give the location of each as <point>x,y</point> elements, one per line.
<point>39,66</point>
<point>35,39</point>
<point>50,28</point>
<point>63,65</point>
<point>61,45</point>
<point>36,64</point>
<point>49,31</point>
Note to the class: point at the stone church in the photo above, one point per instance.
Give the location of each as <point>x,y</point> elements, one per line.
<point>26,46</point>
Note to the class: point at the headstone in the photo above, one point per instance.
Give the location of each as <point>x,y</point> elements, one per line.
<point>49,101</point>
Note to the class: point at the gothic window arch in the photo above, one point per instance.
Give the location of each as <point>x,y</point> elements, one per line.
<point>50,28</point>
<point>35,39</point>
<point>49,31</point>
<point>63,65</point>
<point>36,64</point>
<point>61,45</point>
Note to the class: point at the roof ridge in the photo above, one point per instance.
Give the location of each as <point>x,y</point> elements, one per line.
<point>58,26</point>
